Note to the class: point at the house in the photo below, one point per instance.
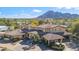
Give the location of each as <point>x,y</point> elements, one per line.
<point>3,28</point>
<point>49,38</point>
<point>51,27</point>
<point>15,34</point>
<point>60,28</point>
<point>30,32</point>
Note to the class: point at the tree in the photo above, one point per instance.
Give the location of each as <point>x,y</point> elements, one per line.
<point>34,23</point>
<point>76,28</point>
<point>41,22</point>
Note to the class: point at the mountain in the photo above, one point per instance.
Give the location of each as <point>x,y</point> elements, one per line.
<point>52,14</point>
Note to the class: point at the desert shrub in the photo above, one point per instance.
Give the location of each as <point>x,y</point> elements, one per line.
<point>5,49</point>
<point>15,39</point>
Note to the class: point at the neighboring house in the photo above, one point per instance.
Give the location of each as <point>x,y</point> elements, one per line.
<point>3,28</point>
<point>51,27</point>
<point>60,28</point>
<point>15,34</point>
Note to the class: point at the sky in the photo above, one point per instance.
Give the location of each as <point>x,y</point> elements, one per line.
<point>31,12</point>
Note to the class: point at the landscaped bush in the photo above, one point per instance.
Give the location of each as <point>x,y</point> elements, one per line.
<point>36,39</point>
<point>57,47</point>
<point>4,49</point>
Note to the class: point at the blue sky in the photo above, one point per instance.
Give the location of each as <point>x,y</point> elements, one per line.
<point>31,12</point>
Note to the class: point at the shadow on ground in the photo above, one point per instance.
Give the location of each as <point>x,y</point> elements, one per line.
<point>26,41</point>
<point>44,47</point>
<point>30,42</point>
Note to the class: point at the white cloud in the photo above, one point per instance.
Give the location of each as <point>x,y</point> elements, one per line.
<point>64,7</point>
<point>21,15</point>
<point>37,10</point>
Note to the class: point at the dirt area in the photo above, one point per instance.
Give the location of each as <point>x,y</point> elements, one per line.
<point>26,45</point>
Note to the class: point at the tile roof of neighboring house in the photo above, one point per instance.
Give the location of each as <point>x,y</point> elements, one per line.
<point>14,32</point>
<point>50,26</point>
